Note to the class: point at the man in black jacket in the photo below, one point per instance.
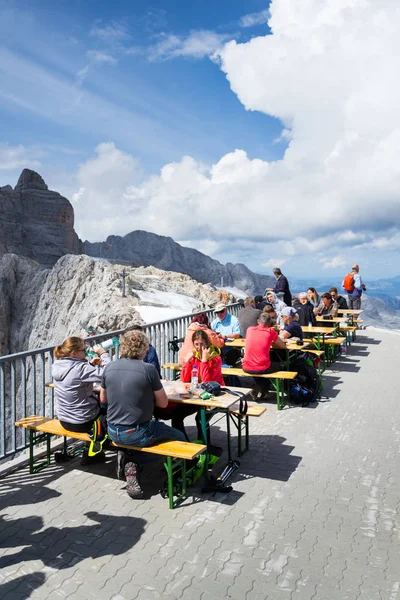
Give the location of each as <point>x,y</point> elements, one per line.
<point>281,287</point>
<point>339,299</point>
<point>305,310</point>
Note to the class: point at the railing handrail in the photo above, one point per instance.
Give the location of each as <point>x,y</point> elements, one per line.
<point>107,334</point>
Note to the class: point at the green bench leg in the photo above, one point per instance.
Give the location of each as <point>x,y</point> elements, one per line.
<point>180,488</point>
<point>35,464</point>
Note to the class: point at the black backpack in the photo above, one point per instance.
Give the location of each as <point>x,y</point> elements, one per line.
<point>307,385</point>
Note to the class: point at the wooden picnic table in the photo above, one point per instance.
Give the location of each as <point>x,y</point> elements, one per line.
<point>291,347</point>
<point>350,311</point>
<point>176,392</point>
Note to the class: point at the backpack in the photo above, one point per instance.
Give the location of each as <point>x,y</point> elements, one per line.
<point>307,385</point>
<point>348,282</point>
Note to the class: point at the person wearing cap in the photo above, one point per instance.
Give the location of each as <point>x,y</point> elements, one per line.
<point>354,295</point>
<point>228,326</point>
<point>281,288</point>
<point>291,327</point>
<point>225,324</point>
<point>328,307</point>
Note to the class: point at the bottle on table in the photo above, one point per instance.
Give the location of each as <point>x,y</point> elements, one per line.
<point>194,380</point>
<point>309,325</point>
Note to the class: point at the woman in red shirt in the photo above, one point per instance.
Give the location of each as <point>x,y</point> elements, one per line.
<point>205,357</point>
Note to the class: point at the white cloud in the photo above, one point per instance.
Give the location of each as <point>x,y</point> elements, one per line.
<point>255,18</point>
<point>198,44</point>
<point>111,33</point>
<point>274,262</point>
<point>18,157</point>
<point>333,262</point>
<point>101,57</point>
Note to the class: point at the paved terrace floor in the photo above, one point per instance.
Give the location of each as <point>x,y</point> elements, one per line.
<point>313,514</point>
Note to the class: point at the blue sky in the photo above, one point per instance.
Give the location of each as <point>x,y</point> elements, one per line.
<point>157,109</point>
<point>240,129</point>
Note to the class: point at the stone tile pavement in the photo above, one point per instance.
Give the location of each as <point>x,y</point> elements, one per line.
<point>313,515</point>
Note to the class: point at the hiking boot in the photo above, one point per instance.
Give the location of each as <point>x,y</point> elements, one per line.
<point>132,479</point>
<point>89,460</point>
<point>121,462</point>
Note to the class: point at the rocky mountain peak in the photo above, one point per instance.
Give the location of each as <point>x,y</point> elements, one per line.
<point>30,180</point>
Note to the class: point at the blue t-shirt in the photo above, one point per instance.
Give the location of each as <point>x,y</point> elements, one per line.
<point>227,326</point>
<point>295,330</point>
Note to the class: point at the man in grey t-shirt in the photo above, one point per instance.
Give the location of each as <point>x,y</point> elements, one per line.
<point>131,388</point>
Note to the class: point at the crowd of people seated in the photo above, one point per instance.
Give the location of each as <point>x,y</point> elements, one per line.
<point>131,392</point>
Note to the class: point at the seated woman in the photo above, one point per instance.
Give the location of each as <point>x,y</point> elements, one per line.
<point>291,328</point>
<point>205,357</point>
<point>199,323</point>
<point>77,405</point>
<point>313,297</point>
<point>208,361</point>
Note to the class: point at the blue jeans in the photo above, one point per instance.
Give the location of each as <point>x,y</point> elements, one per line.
<point>145,434</point>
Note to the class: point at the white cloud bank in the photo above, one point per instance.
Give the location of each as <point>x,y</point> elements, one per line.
<point>329,72</point>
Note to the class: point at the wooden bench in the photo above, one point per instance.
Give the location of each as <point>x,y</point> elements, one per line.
<point>241,423</point>
<point>42,428</point>
<point>332,344</point>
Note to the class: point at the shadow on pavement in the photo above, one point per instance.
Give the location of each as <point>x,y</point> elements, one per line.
<point>21,587</point>
<point>63,547</point>
<point>270,458</point>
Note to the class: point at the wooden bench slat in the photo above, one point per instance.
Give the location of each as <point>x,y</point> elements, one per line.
<point>276,375</point>
<point>252,411</point>
<point>174,449</point>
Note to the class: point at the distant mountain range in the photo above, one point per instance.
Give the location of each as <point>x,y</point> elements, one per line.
<point>38,223</point>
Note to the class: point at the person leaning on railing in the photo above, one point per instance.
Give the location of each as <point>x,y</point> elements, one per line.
<point>77,405</point>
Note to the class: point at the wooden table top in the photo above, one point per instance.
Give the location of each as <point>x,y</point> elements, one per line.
<point>225,400</point>
<point>350,311</point>
<point>241,343</point>
<point>337,320</point>
<point>321,330</point>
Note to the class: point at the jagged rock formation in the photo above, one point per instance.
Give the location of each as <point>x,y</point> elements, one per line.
<point>36,222</point>
<point>144,248</point>
<point>41,307</point>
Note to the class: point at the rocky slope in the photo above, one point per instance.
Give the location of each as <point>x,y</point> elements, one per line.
<point>36,222</point>
<point>40,307</point>
<point>144,248</point>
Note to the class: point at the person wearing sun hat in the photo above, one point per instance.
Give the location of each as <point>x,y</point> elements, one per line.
<point>228,326</point>
<point>225,323</point>
<point>291,327</point>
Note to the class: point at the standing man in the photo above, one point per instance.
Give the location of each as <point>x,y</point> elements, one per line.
<point>281,288</point>
<point>353,285</point>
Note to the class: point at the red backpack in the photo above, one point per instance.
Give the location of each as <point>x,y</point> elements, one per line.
<point>348,282</point>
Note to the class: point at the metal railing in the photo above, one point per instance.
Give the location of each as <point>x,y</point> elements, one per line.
<point>23,377</point>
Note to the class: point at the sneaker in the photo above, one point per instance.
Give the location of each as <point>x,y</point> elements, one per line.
<point>133,486</point>
<point>121,461</point>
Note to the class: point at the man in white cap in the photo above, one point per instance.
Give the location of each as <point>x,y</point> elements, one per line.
<point>225,323</point>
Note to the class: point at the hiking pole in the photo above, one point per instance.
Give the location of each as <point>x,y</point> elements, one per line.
<point>230,468</point>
